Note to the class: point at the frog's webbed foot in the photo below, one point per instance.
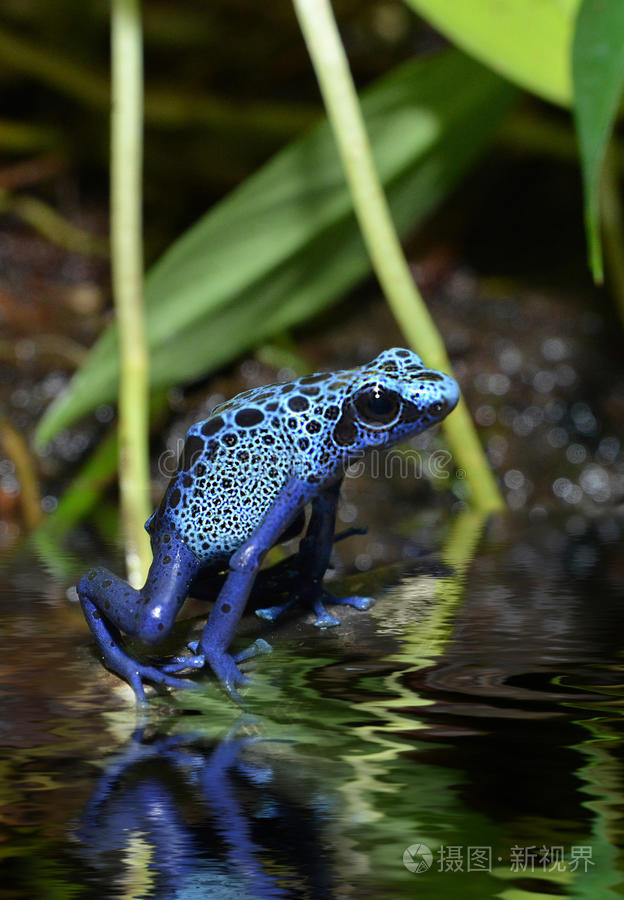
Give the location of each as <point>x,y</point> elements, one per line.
<point>325,619</point>
<point>317,601</point>
<point>224,665</point>
<point>111,606</point>
<point>271,613</point>
<point>228,673</point>
<point>260,647</point>
<point>136,673</point>
<point>180,663</point>
<point>116,659</point>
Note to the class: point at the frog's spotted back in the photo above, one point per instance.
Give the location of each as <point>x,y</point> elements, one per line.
<point>235,462</point>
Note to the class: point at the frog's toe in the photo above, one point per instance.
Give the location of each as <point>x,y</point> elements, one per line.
<point>135,682</point>
<point>136,674</point>
<point>271,613</point>
<point>326,620</point>
<point>159,676</point>
<point>356,602</point>
<point>225,668</point>
<point>259,648</point>
<point>184,662</point>
<point>323,618</point>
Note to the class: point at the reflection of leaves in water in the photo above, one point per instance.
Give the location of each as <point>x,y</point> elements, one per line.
<point>603,785</point>
<point>357,748</point>
<point>350,736</point>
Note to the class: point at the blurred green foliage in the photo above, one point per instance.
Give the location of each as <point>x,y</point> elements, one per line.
<point>598,71</point>
<point>285,243</point>
<point>570,52</point>
<point>228,86</point>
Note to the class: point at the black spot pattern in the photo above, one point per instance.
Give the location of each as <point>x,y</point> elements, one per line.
<point>298,403</point>
<point>430,376</point>
<point>249,417</point>
<point>235,463</point>
<point>212,426</point>
<point>345,432</point>
<point>193,449</point>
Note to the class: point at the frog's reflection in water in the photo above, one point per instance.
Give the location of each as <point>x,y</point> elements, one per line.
<point>178,816</point>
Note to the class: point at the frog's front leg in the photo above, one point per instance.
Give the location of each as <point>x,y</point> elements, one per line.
<point>110,605</point>
<point>314,553</point>
<point>230,604</point>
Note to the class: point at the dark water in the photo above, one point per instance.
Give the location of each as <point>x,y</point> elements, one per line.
<point>474,717</point>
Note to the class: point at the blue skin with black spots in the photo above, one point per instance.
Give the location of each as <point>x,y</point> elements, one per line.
<point>245,475</point>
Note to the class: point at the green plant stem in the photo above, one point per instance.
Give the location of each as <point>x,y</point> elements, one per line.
<point>332,69</point>
<point>127,272</point>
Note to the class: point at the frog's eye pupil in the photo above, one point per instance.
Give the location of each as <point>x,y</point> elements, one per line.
<point>438,406</point>
<point>380,405</point>
<point>377,406</point>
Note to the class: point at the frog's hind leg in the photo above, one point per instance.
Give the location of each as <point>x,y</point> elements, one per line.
<point>314,553</point>
<point>111,606</point>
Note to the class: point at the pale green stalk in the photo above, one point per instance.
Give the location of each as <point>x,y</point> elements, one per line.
<point>127,272</point>
<point>332,69</point>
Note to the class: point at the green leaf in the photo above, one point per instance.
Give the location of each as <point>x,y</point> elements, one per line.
<point>527,41</point>
<point>598,75</point>
<point>285,243</point>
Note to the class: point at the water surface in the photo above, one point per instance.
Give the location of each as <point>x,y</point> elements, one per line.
<point>473,718</point>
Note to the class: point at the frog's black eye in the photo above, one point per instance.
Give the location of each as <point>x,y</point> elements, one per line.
<point>437,407</point>
<point>377,406</point>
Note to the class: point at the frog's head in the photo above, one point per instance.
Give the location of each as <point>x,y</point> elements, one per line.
<point>393,397</point>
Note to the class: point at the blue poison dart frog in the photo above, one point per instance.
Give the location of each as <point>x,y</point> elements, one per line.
<point>243,479</point>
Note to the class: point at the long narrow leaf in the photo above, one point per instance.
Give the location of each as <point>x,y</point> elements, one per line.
<point>598,74</point>
<point>285,243</point>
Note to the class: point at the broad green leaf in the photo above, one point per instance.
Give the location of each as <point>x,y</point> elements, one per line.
<point>598,73</point>
<point>285,243</point>
<point>527,41</point>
